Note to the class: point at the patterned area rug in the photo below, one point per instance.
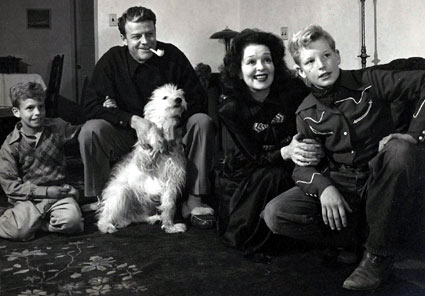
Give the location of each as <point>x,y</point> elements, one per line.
<point>143,260</point>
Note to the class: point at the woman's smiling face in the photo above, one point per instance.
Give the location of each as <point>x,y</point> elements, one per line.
<point>257,67</point>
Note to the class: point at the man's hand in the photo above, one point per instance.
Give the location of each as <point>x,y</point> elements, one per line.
<point>405,137</point>
<point>307,152</point>
<point>110,103</point>
<point>333,208</point>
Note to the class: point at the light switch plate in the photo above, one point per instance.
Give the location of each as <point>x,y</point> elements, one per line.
<point>284,33</point>
<point>113,21</point>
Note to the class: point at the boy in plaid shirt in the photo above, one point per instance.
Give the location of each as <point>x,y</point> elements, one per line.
<point>32,170</point>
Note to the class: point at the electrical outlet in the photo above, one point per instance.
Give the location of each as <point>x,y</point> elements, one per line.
<point>284,33</point>
<point>113,21</point>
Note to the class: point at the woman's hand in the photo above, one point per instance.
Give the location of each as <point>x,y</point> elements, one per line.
<point>307,152</point>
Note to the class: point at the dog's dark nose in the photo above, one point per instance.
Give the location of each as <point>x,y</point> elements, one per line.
<point>178,100</point>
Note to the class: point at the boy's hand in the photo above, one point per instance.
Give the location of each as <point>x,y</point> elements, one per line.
<point>405,137</point>
<point>307,152</point>
<point>333,208</point>
<point>73,192</point>
<point>56,192</point>
<point>59,192</point>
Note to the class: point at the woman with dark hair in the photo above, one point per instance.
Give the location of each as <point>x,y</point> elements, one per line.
<point>258,110</point>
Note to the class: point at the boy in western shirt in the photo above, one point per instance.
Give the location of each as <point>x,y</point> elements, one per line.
<point>369,167</point>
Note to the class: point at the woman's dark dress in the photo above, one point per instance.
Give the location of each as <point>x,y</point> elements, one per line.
<point>254,171</point>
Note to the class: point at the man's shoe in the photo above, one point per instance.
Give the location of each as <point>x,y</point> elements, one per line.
<point>370,273</point>
<point>202,221</point>
<point>201,217</point>
<point>200,214</point>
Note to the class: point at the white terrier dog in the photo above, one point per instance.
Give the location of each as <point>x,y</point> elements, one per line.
<point>145,185</point>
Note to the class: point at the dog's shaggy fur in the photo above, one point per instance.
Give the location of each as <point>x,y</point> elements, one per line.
<point>145,185</point>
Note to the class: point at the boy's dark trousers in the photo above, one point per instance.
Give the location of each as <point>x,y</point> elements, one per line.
<point>379,196</point>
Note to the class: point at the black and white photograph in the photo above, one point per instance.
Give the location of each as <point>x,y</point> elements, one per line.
<point>212,148</point>
<point>38,18</point>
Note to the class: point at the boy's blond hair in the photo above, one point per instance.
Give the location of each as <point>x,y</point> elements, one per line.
<point>303,38</point>
<point>26,90</point>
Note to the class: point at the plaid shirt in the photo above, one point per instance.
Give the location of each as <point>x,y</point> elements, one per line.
<point>28,167</point>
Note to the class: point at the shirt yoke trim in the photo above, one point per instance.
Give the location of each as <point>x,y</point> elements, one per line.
<point>311,180</point>
<point>320,133</point>
<point>315,121</point>
<point>365,114</point>
<point>419,110</point>
<point>351,98</point>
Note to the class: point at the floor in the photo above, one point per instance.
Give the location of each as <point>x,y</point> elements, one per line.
<point>143,260</point>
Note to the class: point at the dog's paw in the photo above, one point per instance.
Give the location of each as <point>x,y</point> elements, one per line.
<point>153,219</point>
<point>175,228</point>
<point>107,227</point>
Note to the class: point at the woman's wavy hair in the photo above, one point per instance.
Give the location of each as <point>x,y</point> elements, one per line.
<point>231,68</point>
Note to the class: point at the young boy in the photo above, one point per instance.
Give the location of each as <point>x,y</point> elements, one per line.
<point>32,170</point>
<point>369,168</point>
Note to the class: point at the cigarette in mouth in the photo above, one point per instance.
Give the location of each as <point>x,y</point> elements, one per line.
<point>158,52</point>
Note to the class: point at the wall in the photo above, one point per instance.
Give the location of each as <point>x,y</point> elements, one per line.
<point>188,24</point>
<point>85,43</point>
<point>37,47</point>
<point>400,25</point>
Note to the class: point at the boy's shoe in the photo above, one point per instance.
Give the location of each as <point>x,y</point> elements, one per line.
<point>44,226</point>
<point>347,257</point>
<point>340,255</point>
<point>370,273</point>
<point>2,210</point>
